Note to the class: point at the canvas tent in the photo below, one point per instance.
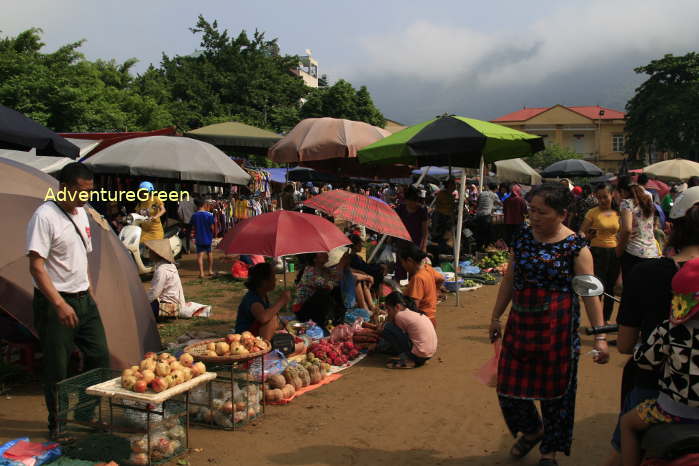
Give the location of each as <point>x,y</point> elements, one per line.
<point>516,171</point>
<point>237,136</point>
<point>128,320</point>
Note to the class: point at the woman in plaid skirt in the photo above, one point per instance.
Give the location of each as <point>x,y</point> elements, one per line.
<point>540,346</point>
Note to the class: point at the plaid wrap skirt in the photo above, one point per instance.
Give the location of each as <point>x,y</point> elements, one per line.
<point>537,354</point>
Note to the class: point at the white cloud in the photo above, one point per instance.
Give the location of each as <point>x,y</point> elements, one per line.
<point>569,38</point>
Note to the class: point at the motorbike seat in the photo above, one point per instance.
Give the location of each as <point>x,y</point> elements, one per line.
<point>171,231</point>
<point>670,441</point>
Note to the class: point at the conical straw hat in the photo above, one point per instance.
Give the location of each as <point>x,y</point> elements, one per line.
<point>162,248</point>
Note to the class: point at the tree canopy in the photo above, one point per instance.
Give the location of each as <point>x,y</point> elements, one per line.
<point>663,115</point>
<point>553,153</point>
<point>242,78</point>
<point>341,100</point>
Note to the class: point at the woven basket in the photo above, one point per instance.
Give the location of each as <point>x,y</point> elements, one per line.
<point>198,350</point>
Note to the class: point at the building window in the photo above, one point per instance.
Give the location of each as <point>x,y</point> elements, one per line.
<point>618,143</point>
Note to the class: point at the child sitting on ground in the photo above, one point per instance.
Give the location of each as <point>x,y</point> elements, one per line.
<point>674,345</point>
<point>409,333</point>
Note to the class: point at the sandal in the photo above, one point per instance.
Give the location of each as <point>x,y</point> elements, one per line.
<point>548,462</point>
<point>525,445</point>
<point>401,363</point>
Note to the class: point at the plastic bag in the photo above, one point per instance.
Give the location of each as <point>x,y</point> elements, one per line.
<point>488,372</point>
<point>46,452</point>
<point>342,332</point>
<point>274,363</point>
<point>352,316</point>
<point>315,332</point>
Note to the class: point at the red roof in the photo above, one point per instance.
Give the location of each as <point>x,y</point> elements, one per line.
<point>108,139</point>
<point>591,112</point>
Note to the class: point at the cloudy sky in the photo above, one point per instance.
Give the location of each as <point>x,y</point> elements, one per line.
<point>419,59</point>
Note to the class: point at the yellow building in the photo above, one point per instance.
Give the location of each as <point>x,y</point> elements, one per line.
<point>595,132</point>
<point>307,70</point>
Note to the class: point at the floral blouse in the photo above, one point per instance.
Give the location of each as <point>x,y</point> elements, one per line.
<point>313,279</point>
<point>642,241</point>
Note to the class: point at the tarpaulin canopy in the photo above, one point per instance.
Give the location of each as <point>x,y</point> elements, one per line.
<point>170,157</point>
<point>238,136</point>
<point>517,171</point>
<point>17,132</point>
<point>43,163</point>
<point>128,320</point>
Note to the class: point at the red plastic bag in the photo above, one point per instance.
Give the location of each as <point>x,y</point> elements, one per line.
<point>239,269</point>
<point>488,372</point>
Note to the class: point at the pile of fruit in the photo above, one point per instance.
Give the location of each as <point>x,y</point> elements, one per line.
<point>494,260</point>
<point>163,444</point>
<point>236,345</point>
<point>469,284</point>
<point>160,372</point>
<point>337,353</point>
<point>488,277</point>
<point>283,386</point>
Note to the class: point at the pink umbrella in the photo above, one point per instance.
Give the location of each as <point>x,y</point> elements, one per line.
<point>657,185</point>
<point>324,138</point>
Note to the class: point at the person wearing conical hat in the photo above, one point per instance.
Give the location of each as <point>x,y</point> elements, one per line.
<point>165,294</point>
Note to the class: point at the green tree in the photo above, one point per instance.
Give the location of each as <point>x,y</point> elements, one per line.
<point>664,113</point>
<point>551,154</point>
<point>239,78</point>
<point>341,100</point>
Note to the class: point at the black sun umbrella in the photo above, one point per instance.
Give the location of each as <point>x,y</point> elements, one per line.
<point>571,168</point>
<point>17,132</point>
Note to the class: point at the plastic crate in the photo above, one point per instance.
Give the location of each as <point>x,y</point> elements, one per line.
<point>208,404</point>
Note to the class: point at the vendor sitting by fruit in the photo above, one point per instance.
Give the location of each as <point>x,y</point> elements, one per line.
<point>165,293</point>
<point>254,312</point>
<point>318,296</point>
<point>408,332</point>
<point>424,281</point>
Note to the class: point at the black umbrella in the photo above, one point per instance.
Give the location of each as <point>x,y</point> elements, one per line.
<point>308,174</point>
<point>17,132</point>
<point>571,168</point>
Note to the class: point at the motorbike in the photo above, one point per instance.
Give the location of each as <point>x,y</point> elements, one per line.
<point>130,237</point>
<point>662,442</point>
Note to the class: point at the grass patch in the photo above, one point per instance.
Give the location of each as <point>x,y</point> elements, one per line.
<point>170,331</point>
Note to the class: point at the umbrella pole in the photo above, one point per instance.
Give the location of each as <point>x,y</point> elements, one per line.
<point>284,267</point>
<point>459,225</point>
<point>423,174</point>
<point>482,177</point>
<point>377,249</point>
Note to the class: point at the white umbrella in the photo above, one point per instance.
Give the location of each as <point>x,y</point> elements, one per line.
<point>517,171</point>
<point>673,169</point>
<point>170,157</point>
<point>44,163</point>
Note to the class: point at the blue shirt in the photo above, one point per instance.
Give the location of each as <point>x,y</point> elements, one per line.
<point>245,319</point>
<point>202,222</point>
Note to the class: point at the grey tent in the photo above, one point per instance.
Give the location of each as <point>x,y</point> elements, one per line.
<point>517,171</point>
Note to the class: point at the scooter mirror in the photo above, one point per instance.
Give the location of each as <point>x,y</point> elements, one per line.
<point>587,285</point>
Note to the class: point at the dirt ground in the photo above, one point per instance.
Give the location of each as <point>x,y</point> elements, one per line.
<point>439,414</point>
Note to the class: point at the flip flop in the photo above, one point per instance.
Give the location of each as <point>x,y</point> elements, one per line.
<point>401,363</point>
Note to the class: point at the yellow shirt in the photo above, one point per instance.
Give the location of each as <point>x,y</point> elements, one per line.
<point>154,228</point>
<point>605,225</point>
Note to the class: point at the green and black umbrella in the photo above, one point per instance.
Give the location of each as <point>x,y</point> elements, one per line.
<point>452,140</point>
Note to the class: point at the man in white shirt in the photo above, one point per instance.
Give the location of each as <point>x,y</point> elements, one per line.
<point>65,315</point>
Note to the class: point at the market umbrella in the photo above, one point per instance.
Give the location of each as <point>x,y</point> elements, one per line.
<point>17,132</point>
<point>237,136</point>
<point>517,171</point>
<point>283,233</point>
<point>128,320</point>
<point>170,157</point>
<point>571,168</point>
<point>438,172</point>
<point>452,140</point>
<point>324,138</point>
<point>673,169</point>
<point>43,163</point>
<point>361,210</point>
<point>305,174</point>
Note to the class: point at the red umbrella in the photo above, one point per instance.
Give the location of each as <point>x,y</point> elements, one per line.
<point>659,186</point>
<point>283,233</point>
<point>362,210</point>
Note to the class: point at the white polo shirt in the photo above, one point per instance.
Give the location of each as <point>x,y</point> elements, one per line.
<point>51,235</point>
